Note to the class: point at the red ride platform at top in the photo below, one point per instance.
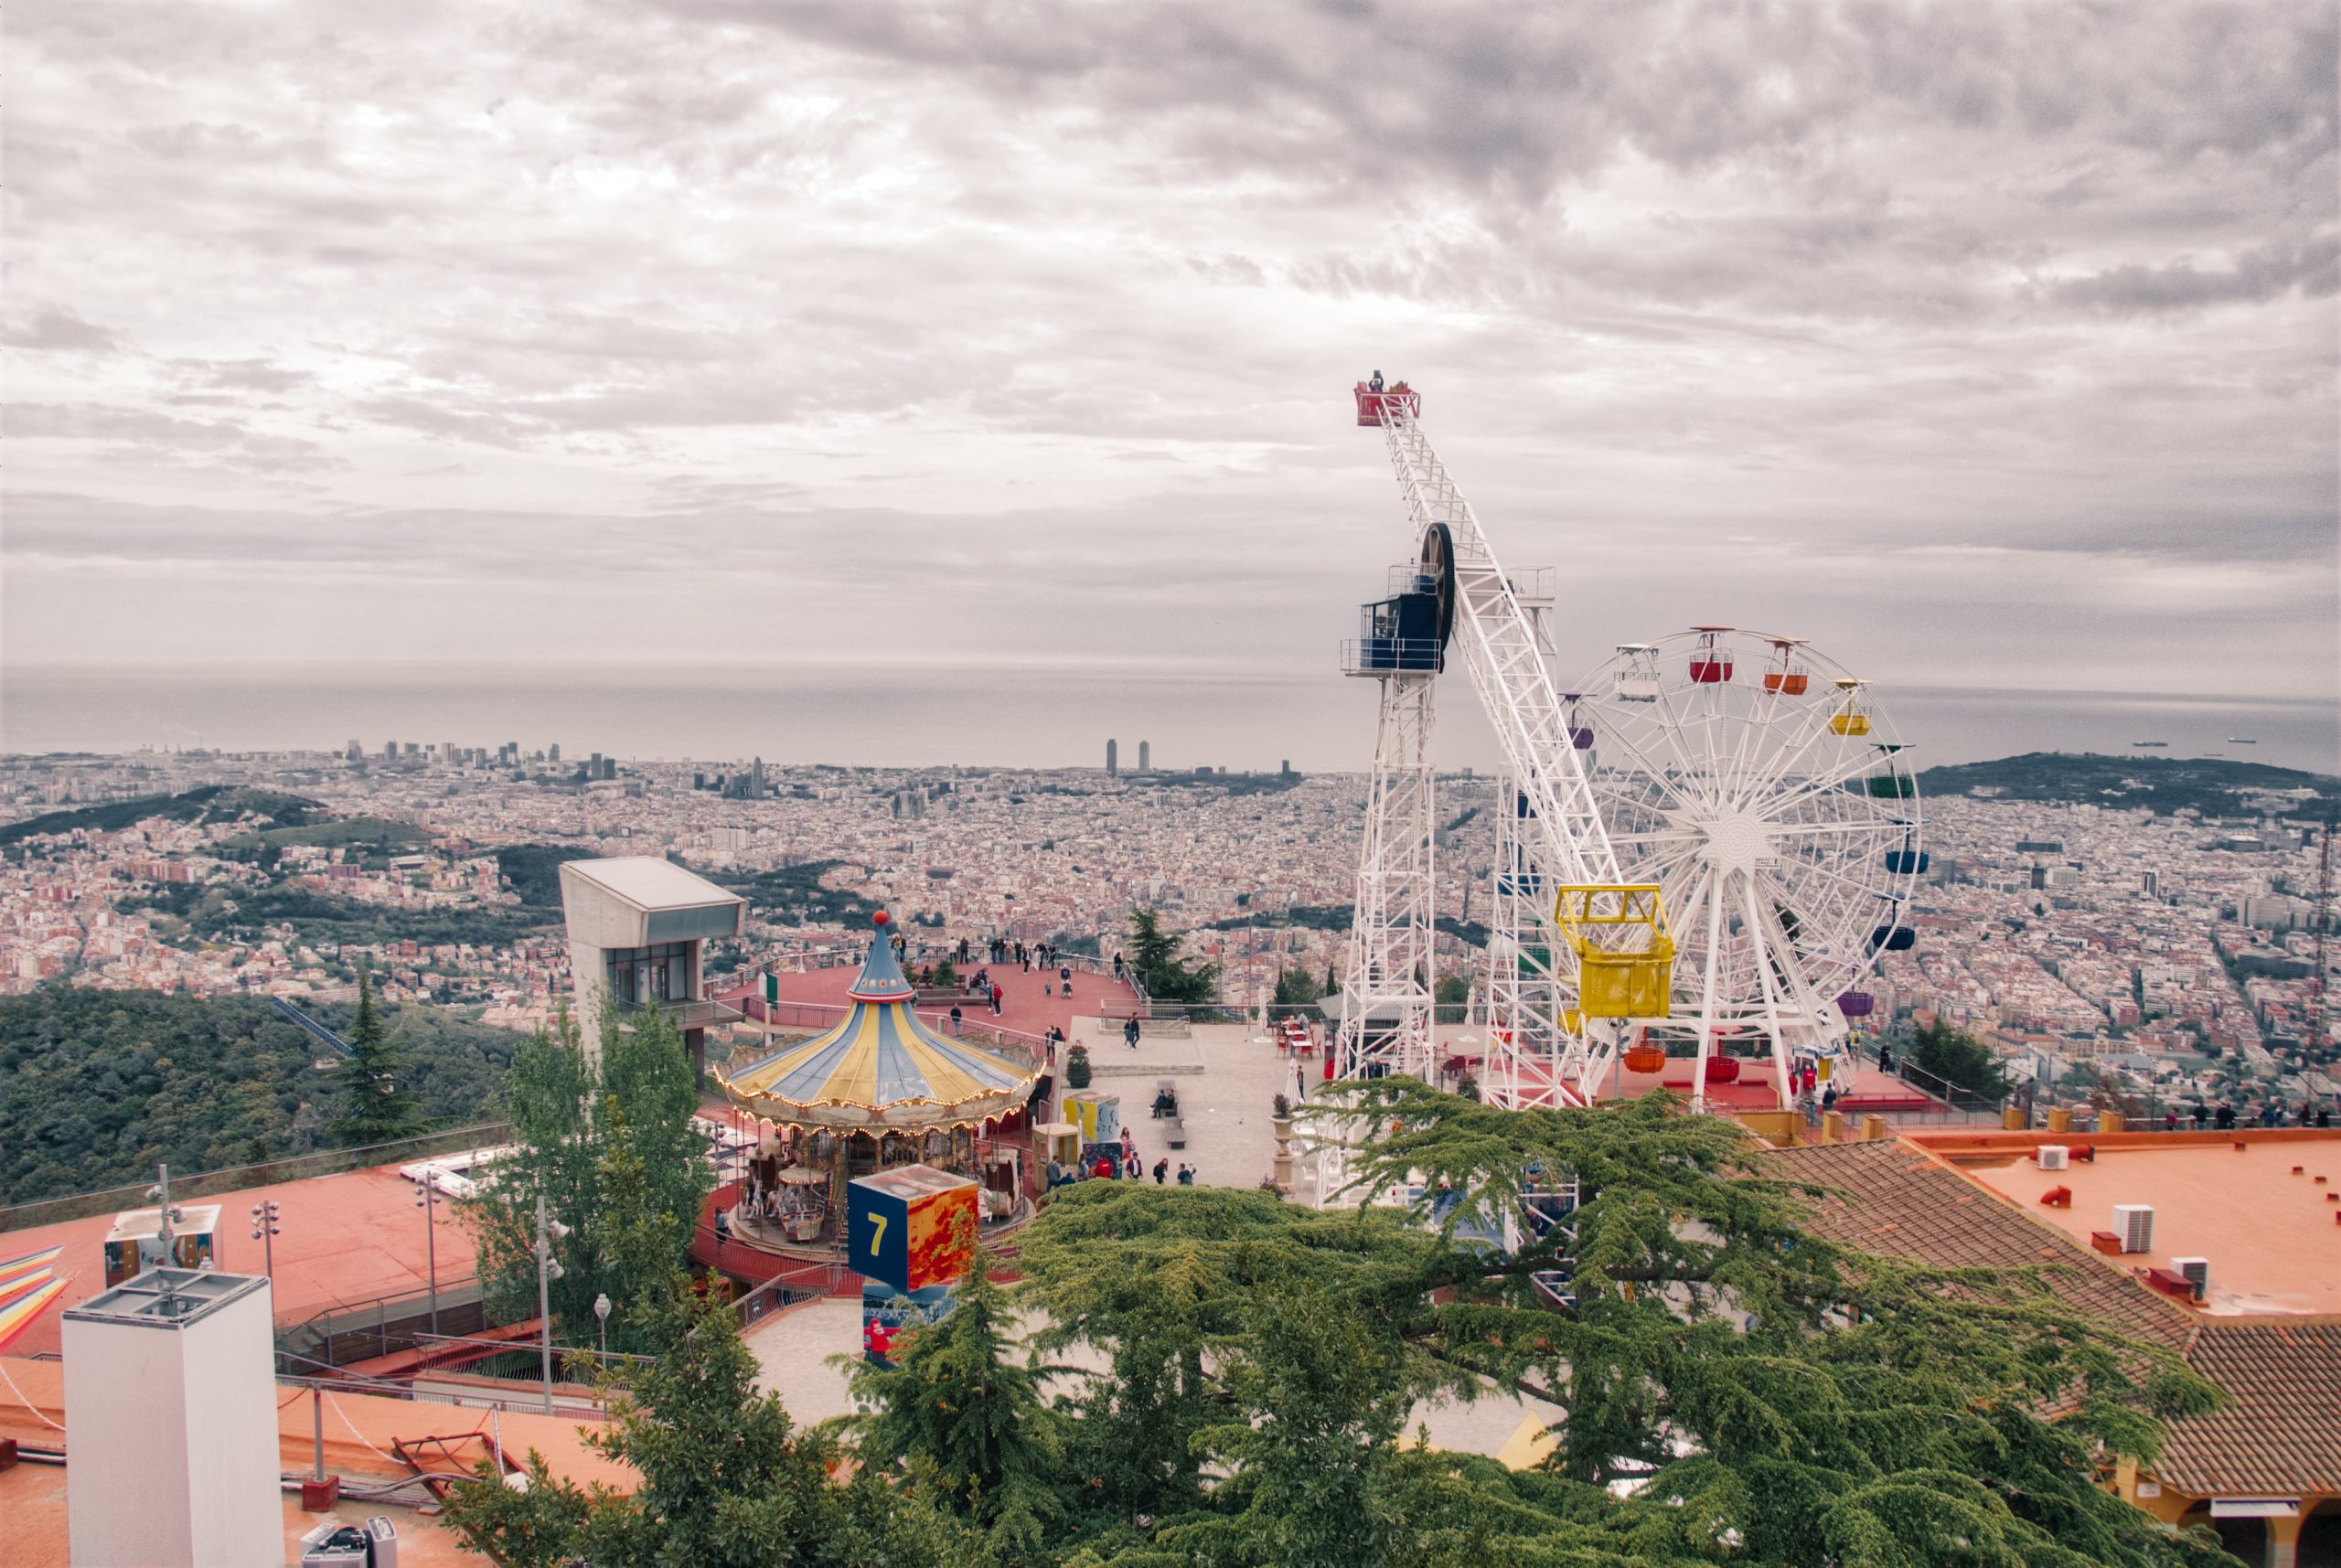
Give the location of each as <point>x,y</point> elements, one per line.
<point>1399,398</point>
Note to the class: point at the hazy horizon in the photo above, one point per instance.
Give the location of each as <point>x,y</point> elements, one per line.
<point>1988,345</point>
<point>871,714</point>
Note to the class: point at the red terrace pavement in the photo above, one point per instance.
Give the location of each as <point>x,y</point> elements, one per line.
<point>346,1240</point>
<point>1023,1006</point>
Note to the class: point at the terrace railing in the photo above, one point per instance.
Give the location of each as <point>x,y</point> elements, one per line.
<point>235,1177</point>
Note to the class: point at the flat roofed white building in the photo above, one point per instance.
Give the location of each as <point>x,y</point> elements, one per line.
<point>636,924</point>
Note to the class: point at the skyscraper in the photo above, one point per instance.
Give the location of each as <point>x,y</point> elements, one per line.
<point>1112,758</point>
<point>1146,756</point>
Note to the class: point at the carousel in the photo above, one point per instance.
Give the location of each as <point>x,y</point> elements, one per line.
<point>879,1090</point>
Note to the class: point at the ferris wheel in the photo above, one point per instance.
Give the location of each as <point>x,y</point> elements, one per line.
<point>1764,790</point>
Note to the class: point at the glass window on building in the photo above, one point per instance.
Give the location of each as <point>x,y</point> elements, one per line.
<point>659,973</point>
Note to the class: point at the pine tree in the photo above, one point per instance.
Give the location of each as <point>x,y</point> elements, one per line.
<point>378,1099</point>
<point>959,1399</point>
<point>726,1479</point>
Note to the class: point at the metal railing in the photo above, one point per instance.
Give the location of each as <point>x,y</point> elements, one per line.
<point>688,1014</point>
<point>234,1177</point>
<point>404,1320</point>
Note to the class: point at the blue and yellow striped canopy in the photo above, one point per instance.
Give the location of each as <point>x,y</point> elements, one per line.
<point>879,1058</point>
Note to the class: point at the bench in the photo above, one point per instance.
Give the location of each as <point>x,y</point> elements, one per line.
<point>949,995</point>
<point>1175,1131</point>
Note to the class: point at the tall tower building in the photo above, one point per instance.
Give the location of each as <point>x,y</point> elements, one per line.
<point>1146,756</point>
<point>1112,758</point>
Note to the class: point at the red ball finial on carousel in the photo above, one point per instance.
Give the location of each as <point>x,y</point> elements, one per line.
<point>878,919</point>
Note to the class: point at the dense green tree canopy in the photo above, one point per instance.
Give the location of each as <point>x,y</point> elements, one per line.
<point>727,1480</point>
<point>97,1086</point>
<point>609,1145</point>
<point>1735,1388</point>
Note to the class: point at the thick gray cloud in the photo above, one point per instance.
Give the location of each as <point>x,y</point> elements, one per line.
<point>1988,343</point>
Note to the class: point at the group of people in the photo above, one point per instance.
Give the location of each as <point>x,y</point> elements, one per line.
<point>1130,1031</point>
<point>2223,1117</point>
<point>1027,956</point>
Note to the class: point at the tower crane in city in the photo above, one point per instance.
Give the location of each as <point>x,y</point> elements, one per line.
<point>1577,951</point>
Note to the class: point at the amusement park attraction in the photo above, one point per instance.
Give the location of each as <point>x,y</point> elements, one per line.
<point>1700,847</point>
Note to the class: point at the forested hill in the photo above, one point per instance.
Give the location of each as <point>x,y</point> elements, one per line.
<point>212,802</point>
<point>2216,787</point>
<point>98,1087</point>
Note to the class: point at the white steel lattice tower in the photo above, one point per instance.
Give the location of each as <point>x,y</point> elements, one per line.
<point>1540,1051</point>
<point>1385,995</point>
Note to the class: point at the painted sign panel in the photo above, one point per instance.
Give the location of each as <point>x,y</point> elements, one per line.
<point>911,1228</point>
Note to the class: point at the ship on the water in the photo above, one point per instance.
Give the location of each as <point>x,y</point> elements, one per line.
<point>2163,743</point>
<point>2240,740</point>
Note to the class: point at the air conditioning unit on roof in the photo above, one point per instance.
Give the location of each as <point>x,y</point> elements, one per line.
<point>2052,1157</point>
<point>2134,1223</point>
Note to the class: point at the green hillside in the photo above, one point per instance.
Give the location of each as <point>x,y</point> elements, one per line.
<point>212,802</point>
<point>2214,786</point>
<point>98,1087</point>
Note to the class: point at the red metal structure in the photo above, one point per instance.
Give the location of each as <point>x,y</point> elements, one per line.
<point>1397,397</point>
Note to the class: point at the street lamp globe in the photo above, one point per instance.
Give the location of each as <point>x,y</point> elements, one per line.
<point>602,1307</point>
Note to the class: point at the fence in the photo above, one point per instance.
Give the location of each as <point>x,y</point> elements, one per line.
<point>381,1327</point>
<point>811,1281</point>
<point>235,1177</point>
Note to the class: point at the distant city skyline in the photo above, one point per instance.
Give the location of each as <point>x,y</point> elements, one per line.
<point>1038,718</point>
<point>1990,346</point>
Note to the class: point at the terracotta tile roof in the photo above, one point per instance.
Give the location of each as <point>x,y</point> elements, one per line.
<point>1901,1202</point>
<point>2281,1434</point>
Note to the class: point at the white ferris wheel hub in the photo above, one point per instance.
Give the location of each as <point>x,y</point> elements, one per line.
<point>1735,840</point>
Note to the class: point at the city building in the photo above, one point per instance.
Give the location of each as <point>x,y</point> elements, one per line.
<point>1113,763</point>
<point>636,926</point>
<point>1146,756</point>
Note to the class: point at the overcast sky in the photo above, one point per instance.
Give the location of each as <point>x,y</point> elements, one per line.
<point>1978,344</point>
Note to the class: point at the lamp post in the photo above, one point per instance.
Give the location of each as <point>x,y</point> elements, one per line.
<point>549,1231</point>
<point>265,1230</point>
<point>426,1197</point>
<point>601,1312</point>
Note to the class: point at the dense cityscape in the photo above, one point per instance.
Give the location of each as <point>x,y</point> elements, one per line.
<point>2169,955</point>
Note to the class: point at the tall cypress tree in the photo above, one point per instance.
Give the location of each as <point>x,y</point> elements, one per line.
<point>378,1092</point>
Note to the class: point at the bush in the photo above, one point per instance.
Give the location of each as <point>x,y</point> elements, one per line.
<point>1076,1068</point>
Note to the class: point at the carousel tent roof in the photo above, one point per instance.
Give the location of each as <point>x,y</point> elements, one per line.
<point>879,1058</point>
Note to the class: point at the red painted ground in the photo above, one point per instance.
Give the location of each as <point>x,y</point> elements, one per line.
<point>1023,1007</point>
<point>346,1239</point>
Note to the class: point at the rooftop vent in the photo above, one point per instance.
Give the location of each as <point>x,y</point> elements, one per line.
<point>2134,1223</point>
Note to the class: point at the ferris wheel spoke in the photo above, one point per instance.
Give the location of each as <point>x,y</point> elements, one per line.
<point>1802,829</point>
<point>1812,785</point>
<point>1805,985</point>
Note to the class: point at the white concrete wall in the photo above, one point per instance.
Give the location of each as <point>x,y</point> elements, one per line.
<point>173,1436</point>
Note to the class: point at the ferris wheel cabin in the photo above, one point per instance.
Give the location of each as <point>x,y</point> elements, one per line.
<point>1374,402</point>
<point>1710,662</point>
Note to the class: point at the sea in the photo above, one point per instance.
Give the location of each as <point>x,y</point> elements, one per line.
<point>1000,715</point>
